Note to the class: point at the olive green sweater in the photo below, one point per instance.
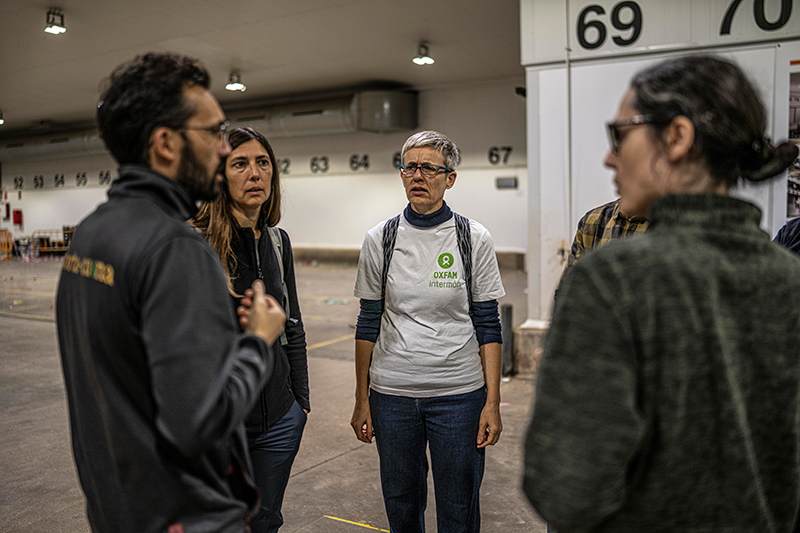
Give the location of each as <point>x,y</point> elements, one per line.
<point>668,397</point>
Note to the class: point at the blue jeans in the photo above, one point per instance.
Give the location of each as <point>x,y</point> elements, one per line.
<point>272,454</point>
<point>449,426</point>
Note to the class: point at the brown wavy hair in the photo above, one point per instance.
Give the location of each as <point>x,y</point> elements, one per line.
<point>215,218</point>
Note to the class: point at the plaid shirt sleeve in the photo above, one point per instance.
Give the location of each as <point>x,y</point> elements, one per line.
<point>600,226</point>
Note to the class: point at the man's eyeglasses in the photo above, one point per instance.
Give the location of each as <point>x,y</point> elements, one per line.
<point>427,171</point>
<point>220,131</point>
<point>615,137</point>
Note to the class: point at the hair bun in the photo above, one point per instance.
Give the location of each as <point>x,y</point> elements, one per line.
<point>766,160</point>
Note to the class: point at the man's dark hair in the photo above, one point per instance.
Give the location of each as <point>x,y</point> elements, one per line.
<point>143,95</point>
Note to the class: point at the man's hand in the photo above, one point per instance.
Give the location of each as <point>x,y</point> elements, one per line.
<point>490,426</point>
<point>260,314</point>
<point>362,421</point>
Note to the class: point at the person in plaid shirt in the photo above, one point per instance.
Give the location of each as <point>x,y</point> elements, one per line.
<point>600,226</point>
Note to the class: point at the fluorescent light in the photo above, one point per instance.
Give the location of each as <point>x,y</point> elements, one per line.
<point>55,22</point>
<point>235,82</point>
<point>422,57</point>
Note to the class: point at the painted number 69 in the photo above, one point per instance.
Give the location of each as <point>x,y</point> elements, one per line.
<point>635,24</point>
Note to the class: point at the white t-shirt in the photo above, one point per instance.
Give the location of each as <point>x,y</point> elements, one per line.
<point>427,345</point>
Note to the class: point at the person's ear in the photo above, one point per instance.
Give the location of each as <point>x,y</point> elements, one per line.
<point>165,147</point>
<point>679,137</point>
<point>451,180</point>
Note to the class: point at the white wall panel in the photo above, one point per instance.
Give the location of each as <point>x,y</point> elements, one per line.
<point>334,208</point>
<point>596,88</point>
<point>553,176</point>
<point>596,92</point>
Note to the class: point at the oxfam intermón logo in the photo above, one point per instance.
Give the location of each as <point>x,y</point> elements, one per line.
<point>446,260</point>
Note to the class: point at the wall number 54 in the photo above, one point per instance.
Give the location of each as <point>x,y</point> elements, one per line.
<point>760,14</point>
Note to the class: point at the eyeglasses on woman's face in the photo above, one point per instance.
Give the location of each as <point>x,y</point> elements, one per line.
<point>615,136</point>
<point>427,171</point>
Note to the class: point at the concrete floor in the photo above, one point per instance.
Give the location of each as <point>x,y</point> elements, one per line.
<point>335,484</point>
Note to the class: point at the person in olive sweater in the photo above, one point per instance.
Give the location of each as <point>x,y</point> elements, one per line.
<point>668,396</point>
<point>240,226</point>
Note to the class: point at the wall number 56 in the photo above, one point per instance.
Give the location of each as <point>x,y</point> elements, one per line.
<point>760,14</point>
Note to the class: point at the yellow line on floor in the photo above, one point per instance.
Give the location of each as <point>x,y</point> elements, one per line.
<point>24,307</point>
<point>356,523</point>
<point>20,315</point>
<point>332,341</point>
<point>32,293</point>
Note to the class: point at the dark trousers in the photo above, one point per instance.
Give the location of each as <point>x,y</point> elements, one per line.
<point>448,426</point>
<point>272,454</point>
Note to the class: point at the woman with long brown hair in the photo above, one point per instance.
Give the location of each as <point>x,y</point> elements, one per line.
<point>241,227</point>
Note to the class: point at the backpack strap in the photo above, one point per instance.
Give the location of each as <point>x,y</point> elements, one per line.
<point>277,247</point>
<point>463,237</point>
<point>389,238</point>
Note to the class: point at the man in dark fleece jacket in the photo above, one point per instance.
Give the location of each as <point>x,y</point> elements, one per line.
<point>158,379</point>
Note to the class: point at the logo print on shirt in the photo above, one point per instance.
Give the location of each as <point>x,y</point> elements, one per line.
<point>446,260</point>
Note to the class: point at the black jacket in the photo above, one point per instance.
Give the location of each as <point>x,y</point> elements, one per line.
<point>789,236</point>
<point>289,381</point>
<point>158,381</point>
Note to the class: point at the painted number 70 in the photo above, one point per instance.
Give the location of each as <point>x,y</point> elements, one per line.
<point>759,12</point>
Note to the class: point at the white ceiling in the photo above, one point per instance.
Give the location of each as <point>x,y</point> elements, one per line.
<point>281,47</point>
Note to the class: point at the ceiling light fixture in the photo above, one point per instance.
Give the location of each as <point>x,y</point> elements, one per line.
<point>55,22</point>
<point>235,82</point>
<point>1,119</point>
<point>422,55</point>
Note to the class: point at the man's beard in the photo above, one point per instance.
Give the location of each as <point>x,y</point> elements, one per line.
<point>192,176</point>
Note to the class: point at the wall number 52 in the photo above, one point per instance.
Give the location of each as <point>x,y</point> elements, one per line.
<point>760,14</point>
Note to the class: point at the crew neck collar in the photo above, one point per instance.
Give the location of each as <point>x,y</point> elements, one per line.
<point>443,214</point>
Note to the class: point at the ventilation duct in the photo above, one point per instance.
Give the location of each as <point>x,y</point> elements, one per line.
<point>386,111</point>
<point>306,118</point>
<point>64,144</point>
<point>372,111</point>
